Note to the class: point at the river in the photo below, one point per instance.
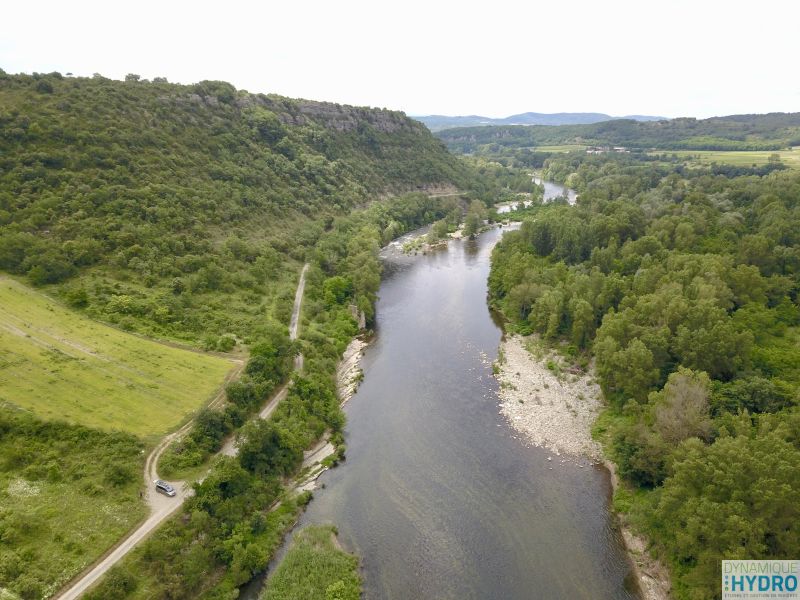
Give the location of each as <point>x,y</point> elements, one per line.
<point>438,496</point>
<point>555,190</point>
<point>552,190</point>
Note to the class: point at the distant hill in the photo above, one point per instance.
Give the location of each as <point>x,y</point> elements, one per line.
<point>772,131</point>
<point>440,122</point>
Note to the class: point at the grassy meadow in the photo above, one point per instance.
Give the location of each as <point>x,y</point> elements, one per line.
<point>67,493</point>
<point>315,568</point>
<point>61,365</point>
<point>560,148</point>
<point>791,158</point>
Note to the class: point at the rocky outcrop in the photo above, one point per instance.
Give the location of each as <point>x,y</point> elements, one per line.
<point>348,372</point>
<point>339,117</point>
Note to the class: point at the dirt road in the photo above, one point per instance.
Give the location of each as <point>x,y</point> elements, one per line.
<point>162,506</point>
<point>229,447</point>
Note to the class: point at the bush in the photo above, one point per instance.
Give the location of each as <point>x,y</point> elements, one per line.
<point>640,455</point>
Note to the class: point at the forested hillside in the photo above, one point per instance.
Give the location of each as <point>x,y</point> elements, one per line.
<point>773,131</point>
<point>184,212</point>
<point>158,195</point>
<point>683,287</point>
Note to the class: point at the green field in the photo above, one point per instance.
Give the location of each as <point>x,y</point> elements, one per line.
<point>67,493</point>
<point>315,568</point>
<point>61,365</point>
<point>791,158</point>
<point>561,148</point>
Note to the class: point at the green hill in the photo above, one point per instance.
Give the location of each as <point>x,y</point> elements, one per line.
<point>439,122</point>
<point>774,131</point>
<point>184,210</point>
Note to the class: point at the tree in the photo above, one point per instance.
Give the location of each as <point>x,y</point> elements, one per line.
<point>682,407</point>
<point>548,312</point>
<point>267,125</point>
<point>722,501</point>
<point>627,372</point>
<point>267,449</point>
<point>521,298</point>
<point>755,249</point>
<point>716,348</point>
<point>439,230</point>
<point>178,286</point>
<point>132,78</point>
<point>271,357</point>
<point>582,315</point>
<point>754,394</point>
<point>641,455</point>
<point>49,267</point>
<point>337,290</point>
<point>476,215</point>
<point>44,87</point>
<point>472,224</point>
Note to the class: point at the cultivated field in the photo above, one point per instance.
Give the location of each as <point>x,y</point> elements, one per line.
<point>61,365</point>
<point>791,158</point>
<point>561,148</point>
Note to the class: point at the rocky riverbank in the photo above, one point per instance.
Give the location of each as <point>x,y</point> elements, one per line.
<point>348,372</point>
<point>554,406</point>
<point>548,404</point>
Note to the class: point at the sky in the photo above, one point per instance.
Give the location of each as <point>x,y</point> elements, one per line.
<point>673,58</point>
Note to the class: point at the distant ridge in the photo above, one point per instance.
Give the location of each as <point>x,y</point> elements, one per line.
<point>440,122</point>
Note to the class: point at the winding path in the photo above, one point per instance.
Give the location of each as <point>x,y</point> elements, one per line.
<point>161,507</point>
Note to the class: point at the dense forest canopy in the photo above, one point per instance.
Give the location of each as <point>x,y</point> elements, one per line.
<point>683,285</point>
<point>160,195</point>
<point>772,131</point>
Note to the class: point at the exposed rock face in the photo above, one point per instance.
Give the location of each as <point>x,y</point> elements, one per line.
<point>339,117</point>
<point>359,317</point>
<point>348,372</point>
<point>347,118</point>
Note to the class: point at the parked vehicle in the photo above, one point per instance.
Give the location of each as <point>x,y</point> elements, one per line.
<point>164,488</point>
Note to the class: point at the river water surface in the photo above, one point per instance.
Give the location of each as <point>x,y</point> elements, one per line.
<point>438,496</point>
<point>555,190</point>
<point>552,190</point>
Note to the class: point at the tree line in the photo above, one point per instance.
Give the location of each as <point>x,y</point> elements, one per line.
<point>683,287</point>
<point>773,131</point>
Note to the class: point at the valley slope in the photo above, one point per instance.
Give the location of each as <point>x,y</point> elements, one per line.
<point>184,212</point>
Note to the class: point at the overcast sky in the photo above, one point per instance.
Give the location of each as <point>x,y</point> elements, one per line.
<point>496,58</point>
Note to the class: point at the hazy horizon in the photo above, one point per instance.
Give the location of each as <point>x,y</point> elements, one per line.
<point>422,114</point>
<point>691,59</point>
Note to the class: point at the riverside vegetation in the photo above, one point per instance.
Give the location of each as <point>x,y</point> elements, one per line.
<point>240,511</point>
<point>315,568</point>
<point>682,284</point>
<point>185,213</point>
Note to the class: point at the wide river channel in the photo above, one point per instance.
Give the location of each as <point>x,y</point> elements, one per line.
<point>438,495</point>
